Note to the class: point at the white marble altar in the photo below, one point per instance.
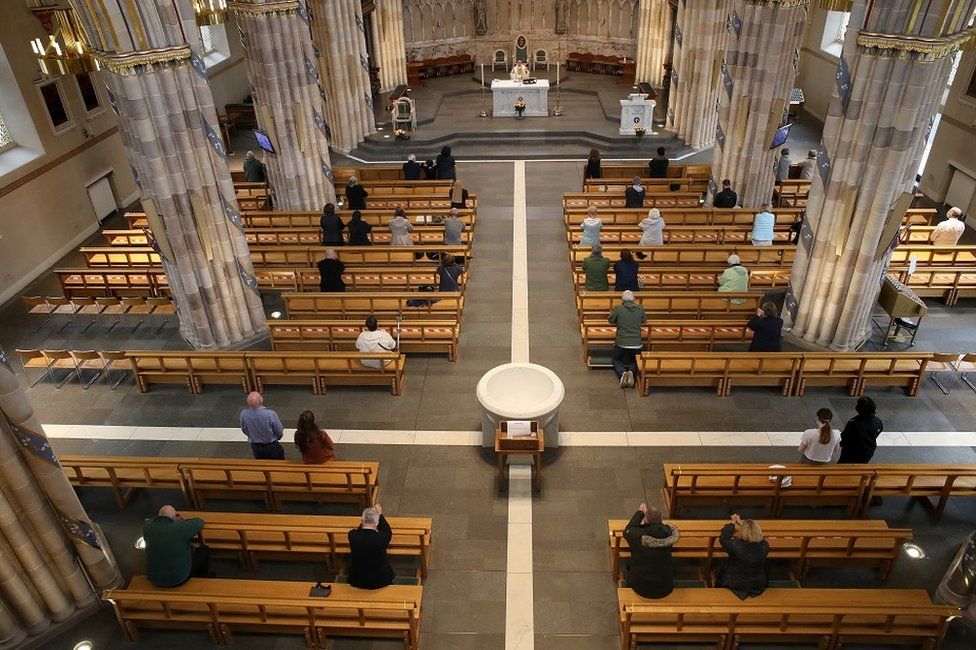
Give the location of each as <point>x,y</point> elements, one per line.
<point>636,110</point>
<point>506,93</point>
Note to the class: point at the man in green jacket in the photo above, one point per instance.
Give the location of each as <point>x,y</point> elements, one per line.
<point>628,316</point>
<point>596,267</point>
<point>171,558</point>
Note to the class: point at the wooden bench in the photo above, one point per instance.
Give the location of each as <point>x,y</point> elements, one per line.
<point>125,257</point>
<point>923,482</point>
<point>192,368</point>
<point>948,283</point>
<point>277,481</point>
<point>792,193</point>
<point>341,174</point>
<point>718,369</point>
<point>402,187</point>
<point>125,474</point>
<point>429,337</point>
<point>595,306</point>
<point>855,370</point>
<point>357,306</point>
<point>927,255</point>
<point>77,283</point>
<point>650,185</point>
<point>356,279</point>
<point>309,256</point>
<point>701,235</point>
<point>222,607</point>
<point>803,543</point>
<point>824,617</point>
<point>254,536</point>
<point>307,236</point>
<point>619,200</point>
<point>695,255</point>
<point>272,219</point>
<point>429,200</point>
<point>701,278</point>
<point>706,215</point>
<point>627,171</point>
<point>700,335</point>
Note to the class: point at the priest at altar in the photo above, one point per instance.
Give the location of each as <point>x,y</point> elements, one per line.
<point>520,71</point>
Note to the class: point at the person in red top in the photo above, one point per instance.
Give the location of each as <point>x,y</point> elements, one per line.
<point>314,443</point>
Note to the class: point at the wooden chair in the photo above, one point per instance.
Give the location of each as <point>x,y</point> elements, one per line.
<point>112,307</point>
<point>87,307</point>
<point>60,360</point>
<point>966,365</point>
<point>136,309</point>
<point>64,308</point>
<point>115,361</point>
<point>87,360</point>
<point>34,359</point>
<point>943,363</point>
<point>38,306</point>
<point>162,309</point>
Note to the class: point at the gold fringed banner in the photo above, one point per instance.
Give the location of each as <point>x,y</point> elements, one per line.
<point>836,5</point>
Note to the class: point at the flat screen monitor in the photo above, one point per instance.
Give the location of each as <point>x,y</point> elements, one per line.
<point>781,136</point>
<point>264,141</point>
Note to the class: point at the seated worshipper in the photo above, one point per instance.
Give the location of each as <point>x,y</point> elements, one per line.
<point>591,228</point>
<point>650,570</point>
<point>254,169</point>
<point>401,228</point>
<point>263,429</point>
<point>459,196</point>
<point>593,166</point>
<point>957,213</point>
<point>520,71</point>
<point>762,227</point>
<point>734,279</point>
<point>368,565</point>
<point>453,227</point>
<point>359,230</point>
<point>171,558</point>
<point>783,163</point>
<point>948,232</point>
<point>817,446</point>
<point>726,198</point>
<point>314,443</point>
<point>859,440</point>
<point>374,339</point>
<point>628,316</point>
<point>446,164</point>
<point>635,194</point>
<point>430,170</point>
<point>355,195</point>
<point>411,169</point>
<point>809,168</point>
<point>744,574</point>
<point>652,227</point>
<point>767,329</point>
<point>796,228</point>
<point>659,164</point>
<point>625,273</point>
<point>330,273</point>
<point>448,274</point>
<point>595,267</point>
<point>332,227</point>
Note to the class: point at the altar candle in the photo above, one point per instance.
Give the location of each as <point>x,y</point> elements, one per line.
<point>558,65</point>
<point>482,75</point>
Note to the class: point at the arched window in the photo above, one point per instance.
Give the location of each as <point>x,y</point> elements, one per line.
<point>19,142</point>
<point>835,27</point>
<point>6,140</point>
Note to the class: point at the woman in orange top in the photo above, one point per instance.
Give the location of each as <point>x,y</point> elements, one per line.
<point>314,443</point>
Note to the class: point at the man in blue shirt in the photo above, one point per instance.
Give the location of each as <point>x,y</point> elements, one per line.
<point>263,429</point>
<point>762,227</point>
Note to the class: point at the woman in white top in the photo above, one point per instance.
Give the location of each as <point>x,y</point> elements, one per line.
<point>818,446</point>
<point>591,228</point>
<point>653,229</point>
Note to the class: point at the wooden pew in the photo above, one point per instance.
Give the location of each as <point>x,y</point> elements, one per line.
<point>948,283</point>
<point>618,200</point>
<point>310,218</point>
<point>310,236</point>
<point>222,606</point>
<point>368,173</point>
<point>927,255</point>
<point>79,283</point>
<point>701,335</point>
<point>595,306</point>
<point>627,171</point>
<point>855,370</point>
<point>254,536</point>
<point>125,257</point>
<point>439,202</point>
<point>804,543</point>
<point>924,482</point>
<point>707,215</point>
<point>701,278</point>
<point>694,254</point>
<point>701,235</point>
<point>192,368</point>
<point>808,616</point>
<point>398,187</point>
<point>650,185</point>
<point>792,193</point>
<point>277,481</point>
<point>321,369</point>
<point>125,474</point>
<point>309,256</point>
<point>429,337</point>
<point>356,279</point>
<point>357,306</point>
<point>718,369</point>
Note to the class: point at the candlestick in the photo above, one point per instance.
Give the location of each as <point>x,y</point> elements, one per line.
<point>484,112</point>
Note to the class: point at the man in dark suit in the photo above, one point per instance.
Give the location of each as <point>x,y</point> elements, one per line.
<point>411,169</point>
<point>726,198</point>
<point>659,164</point>
<point>368,565</point>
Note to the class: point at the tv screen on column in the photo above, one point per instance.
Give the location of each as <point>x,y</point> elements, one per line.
<point>264,141</point>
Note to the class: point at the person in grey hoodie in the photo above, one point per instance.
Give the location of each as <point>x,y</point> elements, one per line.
<point>628,316</point>
<point>653,227</point>
<point>650,571</point>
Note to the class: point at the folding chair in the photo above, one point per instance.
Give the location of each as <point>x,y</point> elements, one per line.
<point>60,360</point>
<point>87,360</point>
<point>943,363</point>
<point>38,306</point>
<point>33,359</point>
<point>62,306</point>
<point>87,307</point>
<point>965,366</point>
<point>112,307</point>
<point>136,308</point>
<point>162,308</point>
<point>114,360</point>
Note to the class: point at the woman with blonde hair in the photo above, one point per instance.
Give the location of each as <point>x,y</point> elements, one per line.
<point>745,572</point>
<point>459,196</point>
<point>817,446</point>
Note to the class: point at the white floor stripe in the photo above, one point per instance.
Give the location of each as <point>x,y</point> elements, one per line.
<point>520,271</point>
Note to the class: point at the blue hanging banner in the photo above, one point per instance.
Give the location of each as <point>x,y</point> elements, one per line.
<point>327,171</point>
<point>677,35</point>
<point>303,12</point>
<point>790,303</point>
<point>319,122</point>
<point>843,82</point>
<point>3,359</point>
<point>231,212</point>
<point>249,280</point>
<point>369,101</point>
<point>363,63</point>
<point>154,245</point>
<point>80,530</point>
<point>736,23</point>
<point>727,79</point>
<point>712,186</point>
<point>720,136</point>
<point>216,142</point>
<point>359,24</point>
<point>197,64</point>
<point>136,177</point>
<point>674,77</point>
<point>806,235</point>
<point>32,441</point>
<point>111,101</point>
<point>670,115</point>
<point>310,68</point>
<point>273,194</point>
<point>823,164</point>
<point>718,105</point>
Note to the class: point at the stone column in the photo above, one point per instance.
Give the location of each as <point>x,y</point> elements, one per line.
<point>288,100</point>
<point>756,80</point>
<point>391,48</point>
<point>340,40</point>
<point>654,26</point>
<point>154,69</point>
<point>890,78</point>
<point>51,554</point>
<point>699,46</point>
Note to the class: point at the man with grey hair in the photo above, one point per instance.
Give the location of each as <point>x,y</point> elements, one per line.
<point>596,267</point>
<point>171,558</point>
<point>411,169</point>
<point>629,317</point>
<point>254,169</point>
<point>650,570</point>
<point>453,227</point>
<point>809,168</point>
<point>369,567</point>
<point>263,429</point>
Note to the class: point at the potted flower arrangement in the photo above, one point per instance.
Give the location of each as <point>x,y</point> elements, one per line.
<point>639,132</point>
<point>519,108</point>
<point>401,134</point>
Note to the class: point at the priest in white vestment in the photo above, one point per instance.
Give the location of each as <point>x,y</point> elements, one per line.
<point>520,72</point>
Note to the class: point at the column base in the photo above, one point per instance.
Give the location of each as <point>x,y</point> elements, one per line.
<point>240,345</point>
<point>803,344</point>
